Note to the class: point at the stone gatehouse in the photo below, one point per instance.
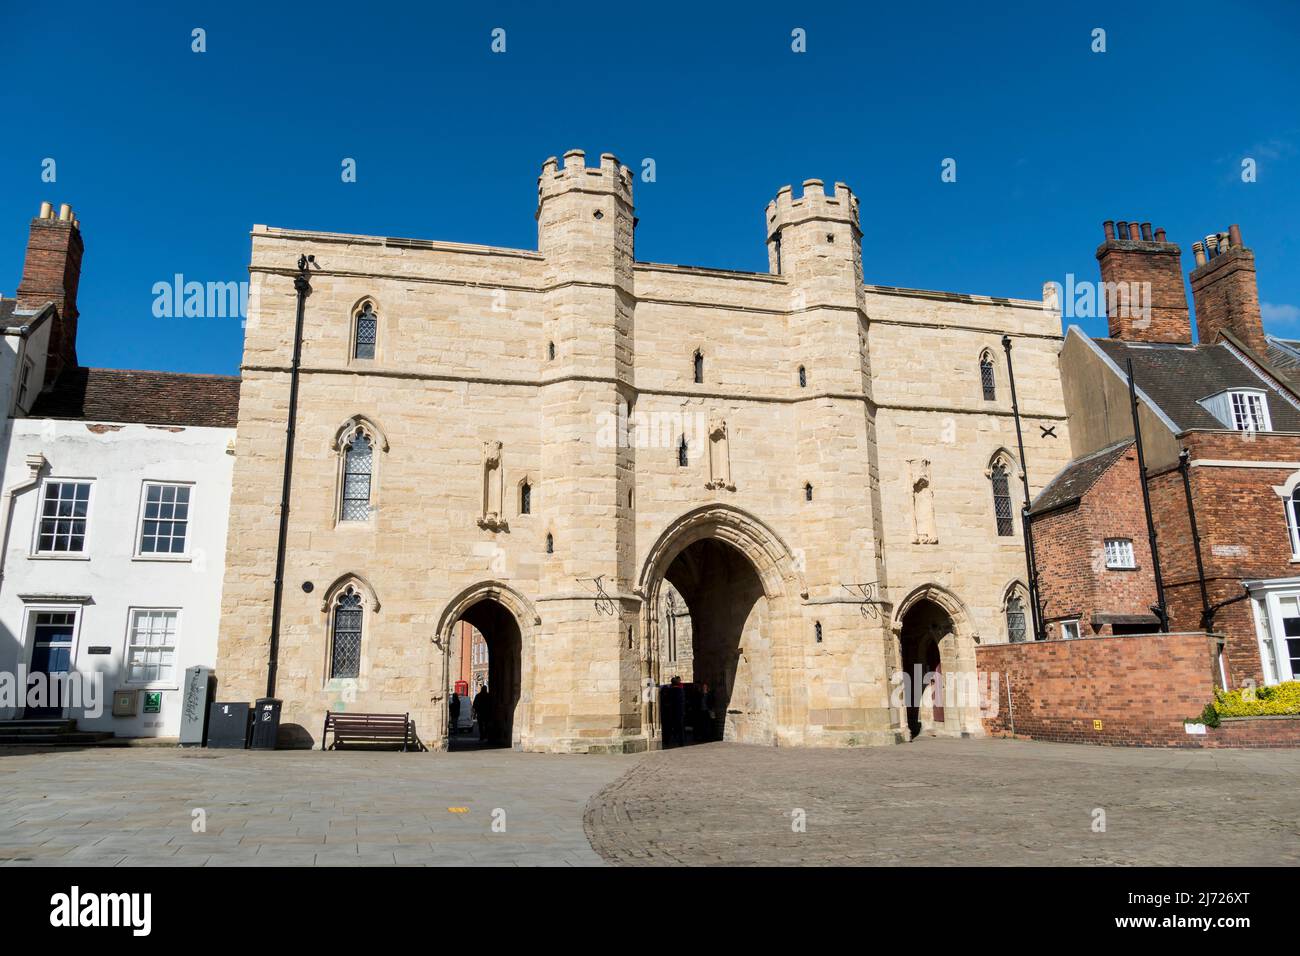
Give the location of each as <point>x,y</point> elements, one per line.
<point>550,444</point>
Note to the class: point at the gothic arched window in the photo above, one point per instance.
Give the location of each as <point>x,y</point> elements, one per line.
<point>358,465</point>
<point>525,498</point>
<point>366,331</point>
<point>987,379</point>
<point>803,377</point>
<point>345,649</point>
<point>998,478</point>
<point>1016,629</point>
<point>699,367</point>
<point>683,453</point>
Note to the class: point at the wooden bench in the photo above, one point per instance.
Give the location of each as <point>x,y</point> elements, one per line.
<point>366,729</point>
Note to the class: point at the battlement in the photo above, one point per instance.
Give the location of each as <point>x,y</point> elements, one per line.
<point>610,177</point>
<point>785,210</point>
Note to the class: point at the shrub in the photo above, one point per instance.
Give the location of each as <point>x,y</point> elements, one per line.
<point>1267,701</point>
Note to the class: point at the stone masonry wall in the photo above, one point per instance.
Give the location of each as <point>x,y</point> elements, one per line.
<point>464,357</point>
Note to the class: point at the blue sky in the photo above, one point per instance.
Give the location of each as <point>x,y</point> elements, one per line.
<point>169,157</point>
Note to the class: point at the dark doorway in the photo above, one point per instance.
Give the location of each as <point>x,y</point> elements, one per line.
<point>715,636</point>
<point>51,656</point>
<point>501,633</point>
<point>924,626</point>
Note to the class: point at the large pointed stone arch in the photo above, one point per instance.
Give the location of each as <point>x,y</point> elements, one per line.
<point>778,571</point>
<point>772,558</point>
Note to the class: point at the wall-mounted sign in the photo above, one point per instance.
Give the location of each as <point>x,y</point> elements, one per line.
<point>153,702</point>
<point>99,649</point>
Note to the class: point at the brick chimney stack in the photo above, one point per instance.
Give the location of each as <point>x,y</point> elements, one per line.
<point>1225,292</point>
<point>51,273</point>
<point>1142,284</point>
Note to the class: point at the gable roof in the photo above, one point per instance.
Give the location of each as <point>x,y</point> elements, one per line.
<point>151,398</point>
<point>1177,377</point>
<point>1075,480</point>
<point>12,317</point>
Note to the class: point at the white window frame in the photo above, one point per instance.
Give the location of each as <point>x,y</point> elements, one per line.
<point>1291,504</point>
<point>84,553</point>
<point>1241,409</point>
<point>141,555</point>
<point>1071,624</point>
<point>171,683</point>
<point>1252,415</point>
<point>1275,635</point>
<point>1119,554</point>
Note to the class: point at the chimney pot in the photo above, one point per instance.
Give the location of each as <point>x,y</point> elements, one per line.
<point>1133,231</point>
<point>65,213</point>
<point>1160,235</point>
<point>1121,229</point>
<point>1199,249</point>
<point>1227,298</point>
<point>1108,227</point>
<point>47,211</point>
<point>1146,231</point>
<point>1234,236</point>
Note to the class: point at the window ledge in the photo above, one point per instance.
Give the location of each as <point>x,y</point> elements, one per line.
<point>164,558</point>
<point>51,556</point>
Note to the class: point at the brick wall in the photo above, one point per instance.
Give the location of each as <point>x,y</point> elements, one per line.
<point>1140,688</point>
<point>1243,534</point>
<point>1227,298</point>
<point>1153,265</point>
<point>1074,581</point>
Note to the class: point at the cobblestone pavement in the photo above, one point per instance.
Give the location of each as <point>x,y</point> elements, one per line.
<point>931,802</point>
<point>134,806</point>
<point>942,802</point>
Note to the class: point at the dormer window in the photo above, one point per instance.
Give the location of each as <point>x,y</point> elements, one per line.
<point>1244,410</point>
<point>1249,412</point>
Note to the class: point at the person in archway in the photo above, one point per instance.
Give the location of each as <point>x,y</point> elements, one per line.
<point>483,713</point>
<point>674,713</point>
<point>453,712</point>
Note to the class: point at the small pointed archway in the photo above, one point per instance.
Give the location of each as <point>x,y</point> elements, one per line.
<point>935,653</point>
<point>506,621</point>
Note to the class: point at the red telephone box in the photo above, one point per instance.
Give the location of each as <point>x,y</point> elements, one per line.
<point>462,688</point>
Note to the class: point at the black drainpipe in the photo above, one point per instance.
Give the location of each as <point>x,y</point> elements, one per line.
<point>1161,609</point>
<point>302,286</point>
<point>1035,608</point>
<point>1185,467</point>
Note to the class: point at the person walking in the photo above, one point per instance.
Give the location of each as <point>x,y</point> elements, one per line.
<point>453,712</point>
<point>483,713</point>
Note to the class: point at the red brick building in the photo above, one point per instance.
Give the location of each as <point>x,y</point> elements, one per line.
<point>1094,557</point>
<point>1220,423</point>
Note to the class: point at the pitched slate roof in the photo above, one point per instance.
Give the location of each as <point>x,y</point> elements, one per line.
<point>152,398</point>
<point>1073,481</point>
<point>1284,356</point>
<point>1178,377</point>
